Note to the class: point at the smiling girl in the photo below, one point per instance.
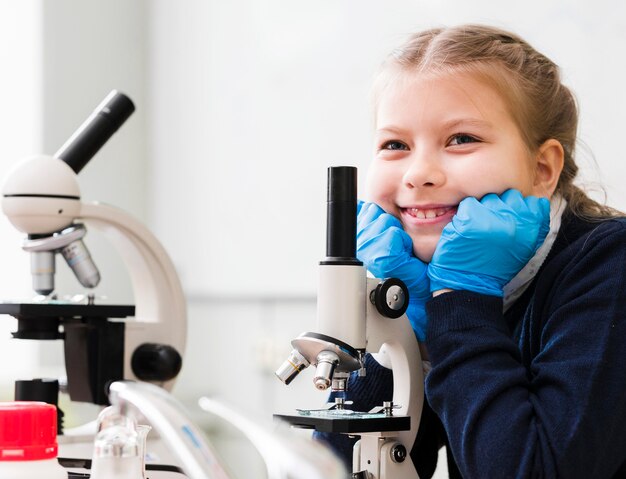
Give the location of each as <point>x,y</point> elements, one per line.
<point>441,138</point>
<point>517,279</point>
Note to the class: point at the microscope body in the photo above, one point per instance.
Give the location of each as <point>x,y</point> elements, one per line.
<point>103,343</point>
<point>355,315</point>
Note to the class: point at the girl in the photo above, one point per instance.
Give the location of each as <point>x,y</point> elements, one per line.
<point>517,278</point>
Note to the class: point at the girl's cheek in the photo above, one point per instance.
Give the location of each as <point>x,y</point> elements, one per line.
<point>381,185</point>
<point>373,178</point>
<point>383,198</point>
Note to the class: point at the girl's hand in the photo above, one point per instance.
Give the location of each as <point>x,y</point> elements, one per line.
<point>488,242</point>
<point>386,250</point>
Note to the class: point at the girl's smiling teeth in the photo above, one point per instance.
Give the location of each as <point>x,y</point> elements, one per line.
<point>427,213</point>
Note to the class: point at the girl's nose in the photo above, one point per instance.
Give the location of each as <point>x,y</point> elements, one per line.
<point>424,171</point>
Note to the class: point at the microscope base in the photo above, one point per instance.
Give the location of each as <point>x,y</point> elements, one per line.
<point>349,424</point>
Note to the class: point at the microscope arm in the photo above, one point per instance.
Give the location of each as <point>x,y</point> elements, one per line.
<point>159,298</point>
<point>396,339</point>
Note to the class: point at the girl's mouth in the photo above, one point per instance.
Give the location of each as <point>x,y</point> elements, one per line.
<point>423,215</point>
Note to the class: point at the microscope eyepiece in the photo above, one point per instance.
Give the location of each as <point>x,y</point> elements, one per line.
<point>96,130</point>
<point>341,214</point>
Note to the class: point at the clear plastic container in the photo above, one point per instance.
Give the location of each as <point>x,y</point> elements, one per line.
<point>28,441</point>
<point>119,447</point>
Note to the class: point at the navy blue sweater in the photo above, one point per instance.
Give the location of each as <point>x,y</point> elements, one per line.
<point>541,390</point>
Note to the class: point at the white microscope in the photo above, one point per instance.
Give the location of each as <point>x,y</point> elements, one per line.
<point>128,356</point>
<point>41,198</point>
<point>102,343</point>
<point>355,315</point>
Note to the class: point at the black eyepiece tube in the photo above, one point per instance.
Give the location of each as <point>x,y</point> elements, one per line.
<point>96,130</point>
<point>341,213</point>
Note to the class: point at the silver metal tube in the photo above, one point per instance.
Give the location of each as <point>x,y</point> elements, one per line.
<point>340,382</point>
<point>69,242</point>
<point>291,367</point>
<point>326,363</point>
<point>166,415</point>
<point>78,258</point>
<point>42,270</point>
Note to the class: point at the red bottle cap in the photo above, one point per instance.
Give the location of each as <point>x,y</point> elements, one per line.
<point>28,431</point>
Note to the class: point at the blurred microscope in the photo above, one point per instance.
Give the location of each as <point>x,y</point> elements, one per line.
<point>103,343</point>
<point>123,355</point>
<point>355,315</point>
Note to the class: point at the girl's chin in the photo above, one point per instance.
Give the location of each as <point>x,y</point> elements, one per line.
<point>425,256</point>
<point>424,248</point>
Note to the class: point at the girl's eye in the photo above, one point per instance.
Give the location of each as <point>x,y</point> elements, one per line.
<point>393,145</point>
<point>462,139</point>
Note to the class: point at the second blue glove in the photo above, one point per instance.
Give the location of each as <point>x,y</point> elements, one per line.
<point>488,242</point>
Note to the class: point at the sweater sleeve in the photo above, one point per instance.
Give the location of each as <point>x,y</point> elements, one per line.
<point>562,413</point>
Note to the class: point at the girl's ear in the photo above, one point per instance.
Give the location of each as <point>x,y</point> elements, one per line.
<point>550,158</point>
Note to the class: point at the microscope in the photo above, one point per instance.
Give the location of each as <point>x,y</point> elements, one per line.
<point>358,314</point>
<point>122,355</point>
<point>103,343</point>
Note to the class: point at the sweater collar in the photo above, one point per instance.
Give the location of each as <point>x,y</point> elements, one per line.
<point>520,282</point>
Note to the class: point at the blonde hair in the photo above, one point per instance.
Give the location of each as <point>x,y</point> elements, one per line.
<point>530,84</point>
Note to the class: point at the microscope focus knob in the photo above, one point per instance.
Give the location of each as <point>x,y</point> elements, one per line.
<point>398,453</point>
<point>391,298</point>
<point>156,362</point>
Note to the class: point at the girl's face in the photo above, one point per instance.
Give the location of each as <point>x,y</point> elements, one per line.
<point>440,139</point>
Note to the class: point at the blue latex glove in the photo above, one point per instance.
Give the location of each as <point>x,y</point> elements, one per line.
<point>386,250</point>
<point>488,242</point>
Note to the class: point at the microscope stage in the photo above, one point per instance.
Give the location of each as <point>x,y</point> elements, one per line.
<point>350,424</point>
<point>43,320</point>
<point>66,310</point>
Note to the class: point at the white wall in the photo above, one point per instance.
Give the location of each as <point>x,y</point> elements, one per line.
<point>20,124</point>
<point>252,101</point>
